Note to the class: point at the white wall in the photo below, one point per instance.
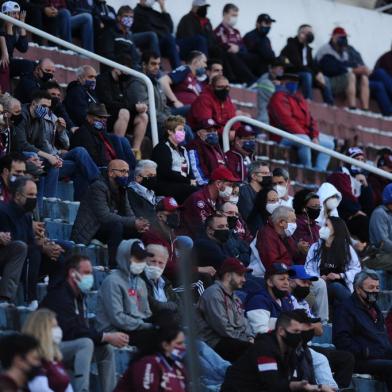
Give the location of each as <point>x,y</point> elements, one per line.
<point>370,32</point>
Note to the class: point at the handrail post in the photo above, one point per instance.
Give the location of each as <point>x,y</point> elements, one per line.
<point>296,139</point>
<point>101,59</point>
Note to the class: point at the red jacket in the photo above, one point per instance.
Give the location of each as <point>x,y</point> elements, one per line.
<point>273,248</point>
<point>207,106</point>
<point>291,113</point>
<point>238,164</point>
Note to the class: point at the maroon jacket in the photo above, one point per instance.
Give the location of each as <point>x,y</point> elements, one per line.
<point>227,35</point>
<point>307,230</point>
<point>57,376</point>
<point>236,163</point>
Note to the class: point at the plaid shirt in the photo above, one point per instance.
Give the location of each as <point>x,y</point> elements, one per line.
<point>228,35</point>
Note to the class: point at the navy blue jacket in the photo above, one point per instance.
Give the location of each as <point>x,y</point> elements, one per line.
<point>26,88</point>
<point>354,330</point>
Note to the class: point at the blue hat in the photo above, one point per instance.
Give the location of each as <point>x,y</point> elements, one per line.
<point>299,272</point>
<point>278,268</point>
<point>387,195</point>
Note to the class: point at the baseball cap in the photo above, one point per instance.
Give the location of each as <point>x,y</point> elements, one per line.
<point>206,124</point>
<point>265,18</point>
<point>289,76</point>
<point>245,130</point>
<point>224,174</point>
<point>200,3</point>
<point>10,6</point>
<point>353,152</point>
<point>168,204</point>
<point>339,31</point>
<point>387,195</point>
<point>231,264</point>
<point>139,251</point>
<point>278,269</point>
<point>300,273</point>
<point>280,61</point>
<point>385,160</point>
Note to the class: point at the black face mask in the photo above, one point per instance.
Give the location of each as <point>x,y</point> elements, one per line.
<point>279,294</point>
<point>46,76</point>
<point>33,372</point>
<point>202,11</point>
<point>16,119</point>
<point>266,181</point>
<point>221,94</point>
<point>300,293</point>
<point>30,204</point>
<point>342,42</point>
<point>292,339</point>
<point>222,235</point>
<point>307,336</point>
<point>309,37</point>
<point>173,221</point>
<point>149,182</point>
<point>55,102</point>
<point>313,213</point>
<point>232,221</point>
<point>371,297</point>
<point>264,30</point>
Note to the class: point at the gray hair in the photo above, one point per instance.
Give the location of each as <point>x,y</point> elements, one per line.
<point>81,71</point>
<point>281,213</point>
<point>159,249</point>
<point>7,100</point>
<point>19,183</point>
<point>360,277</point>
<point>255,166</point>
<point>143,164</point>
<point>226,203</point>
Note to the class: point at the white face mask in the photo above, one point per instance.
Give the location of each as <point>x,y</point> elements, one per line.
<point>233,199</point>
<point>153,272</point>
<point>57,335</point>
<point>226,192</point>
<point>281,190</point>
<point>291,227</point>
<point>271,207</point>
<point>324,232</point>
<point>233,21</point>
<point>356,187</point>
<point>332,203</point>
<point>149,3</point>
<point>137,268</point>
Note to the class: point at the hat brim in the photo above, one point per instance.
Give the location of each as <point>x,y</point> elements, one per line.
<point>99,114</point>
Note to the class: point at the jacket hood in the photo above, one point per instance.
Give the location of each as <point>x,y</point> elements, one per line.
<point>326,191</point>
<point>123,255</point>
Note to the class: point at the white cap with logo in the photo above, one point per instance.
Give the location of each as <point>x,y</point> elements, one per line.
<point>10,6</point>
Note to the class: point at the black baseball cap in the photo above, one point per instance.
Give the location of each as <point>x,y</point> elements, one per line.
<point>265,18</point>
<point>139,251</point>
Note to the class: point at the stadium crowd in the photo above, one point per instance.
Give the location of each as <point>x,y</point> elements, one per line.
<point>271,264</point>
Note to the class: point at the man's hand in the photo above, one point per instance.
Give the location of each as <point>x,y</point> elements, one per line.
<point>36,162</point>
<point>177,104</point>
<point>141,107</point>
<point>362,70</point>
<point>207,270</point>
<point>61,123</point>
<point>333,276</point>
<point>233,48</point>
<point>303,247</point>
<point>39,229</point>
<point>50,12</point>
<point>55,161</point>
<point>193,182</point>
<point>52,250</point>
<point>116,339</point>
<point>4,60</point>
<point>142,225</point>
<point>360,246</point>
<point>320,79</point>
<point>5,238</point>
<point>302,386</point>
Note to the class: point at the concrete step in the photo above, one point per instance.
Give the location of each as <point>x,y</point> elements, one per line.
<point>58,209</point>
<point>57,229</point>
<point>385,280</point>
<point>366,383</point>
<point>96,253</point>
<point>100,273</point>
<point>65,190</point>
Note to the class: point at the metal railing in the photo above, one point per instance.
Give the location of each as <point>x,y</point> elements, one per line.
<point>103,60</point>
<point>289,136</point>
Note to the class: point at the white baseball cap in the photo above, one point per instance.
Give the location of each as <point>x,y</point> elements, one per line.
<point>10,6</point>
<point>199,3</point>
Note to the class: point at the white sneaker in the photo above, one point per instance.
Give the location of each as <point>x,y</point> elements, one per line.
<point>33,305</point>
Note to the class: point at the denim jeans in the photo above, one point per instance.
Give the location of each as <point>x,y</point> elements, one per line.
<point>305,154</point>
<point>148,40</point>
<point>337,291</point>
<point>197,42</point>
<point>306,81</point>
<point>381,368</point>
<point>380,83</point>
<point>168,47</point>
<point>78,165</point>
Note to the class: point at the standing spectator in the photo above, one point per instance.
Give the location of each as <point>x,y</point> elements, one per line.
<point>174,175</point>
<point>229,38</point>
<point>147,19</point>
<point>281,182</point>
<point>299,53</point>
<point>80,340</point>
<point>221,319</point>
<point>181,86</point>
<point>259,44</point>
<point>289,111</point>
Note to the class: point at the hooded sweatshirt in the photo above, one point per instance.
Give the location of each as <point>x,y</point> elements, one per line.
<point>326,191</point>
<point>123,298</point>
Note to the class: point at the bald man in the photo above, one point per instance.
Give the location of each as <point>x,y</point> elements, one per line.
<point>105,213</point>
<point>30,84</point>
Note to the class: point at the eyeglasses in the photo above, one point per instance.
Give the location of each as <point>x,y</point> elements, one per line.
<point>122,171</point>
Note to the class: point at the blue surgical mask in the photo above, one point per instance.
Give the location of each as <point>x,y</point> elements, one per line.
<point>98,125</point>
<point>291,87</point>
<point>264,30</point>
<point>212,138</point>
<point>178,354</point>
<point>249,145</point>
<point>122,182</point>
<point>90,84</point>
<point>85,283</point>
<point>201,71</point>
<point>41,111</point>
<point>127,21</point>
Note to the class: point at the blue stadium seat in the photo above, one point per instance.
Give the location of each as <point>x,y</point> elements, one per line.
<point>366,383</point>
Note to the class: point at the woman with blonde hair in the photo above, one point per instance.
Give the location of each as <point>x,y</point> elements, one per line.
<point>42,324</point>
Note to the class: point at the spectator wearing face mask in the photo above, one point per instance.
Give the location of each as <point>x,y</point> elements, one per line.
<point>174,174</point>
<point>235,221</point>
<point>259,44</point>
<point>11,166</point>
<point>330,199</point>
<point>241,153</point>
<point>205,152</point>
<point>288,110</point>
<point>334,259</point>
<point>299,53</point>
<point>281,183</point>
<point>239,61</point>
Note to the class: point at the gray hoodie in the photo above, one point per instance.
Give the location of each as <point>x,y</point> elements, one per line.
<point>117,308</point>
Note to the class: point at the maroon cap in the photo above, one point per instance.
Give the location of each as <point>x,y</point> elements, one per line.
<point>339,31</point>
<point>224,174</point>
<point>206,124</point>
<point>167,204</point>
<point>232,264</point>
<point>245,130</point>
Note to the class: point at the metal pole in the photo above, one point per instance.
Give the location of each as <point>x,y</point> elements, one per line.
<point>103,60</point>
<point>383,8</point>
<point>289,136</point>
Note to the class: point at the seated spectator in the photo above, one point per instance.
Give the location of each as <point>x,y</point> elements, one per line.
<point>105,213</point>
<point>43,325</point>
<point>31,83</point>
<point>248,191</point>
<point>159,364</point>
<point>160,291</point>
<point>241,153</point>
<point>330,199</point>
<point>299,53</point>
<point>384,62</point>
<point>181,86</point>
<point>334,62</point>
<point>378,183</point>
<point>281,182</point>
<point>238,60</point>
<point>359,328</point>
<point>217,243</point>
<point>19,357</point>
<point>11,166</point>
<point>81,341</point>
<point>288,110</point>
<point>122,303</point>
<point>380,230</point>
<point>149,20</point>
<point>102,146</point>
<point>259,44</point>
<point>205,152</point>
<point>214,68</point>
<point>141,191</point>
<point>201,204</point>
<point>213,103</point>
<point>174,175</point>
<point>333,259</point>
<point>235,221</point>
<point>221,319</point>
<point>81,94</point>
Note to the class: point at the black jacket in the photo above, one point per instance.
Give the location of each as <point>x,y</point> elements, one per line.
<point>70,312</point>
<point>147,19</point>
<point>141,206</point>
<point>26,87</point>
